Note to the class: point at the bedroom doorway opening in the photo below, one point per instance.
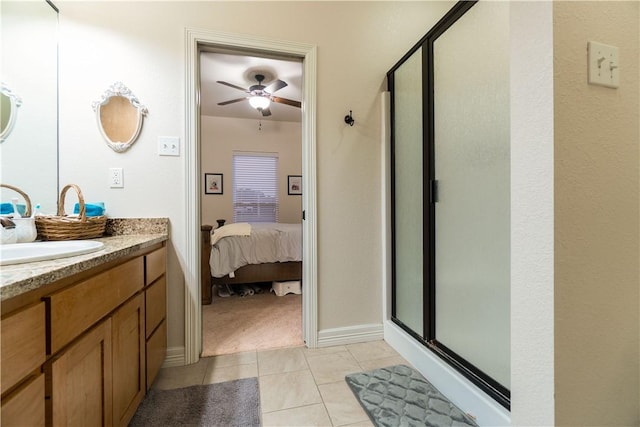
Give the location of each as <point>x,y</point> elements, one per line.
<point>249,155</point>
<point>240,52</point>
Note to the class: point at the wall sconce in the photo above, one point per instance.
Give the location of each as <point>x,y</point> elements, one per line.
<point>348,119</point>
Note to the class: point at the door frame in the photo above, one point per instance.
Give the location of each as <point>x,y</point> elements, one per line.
<point>195,38</point>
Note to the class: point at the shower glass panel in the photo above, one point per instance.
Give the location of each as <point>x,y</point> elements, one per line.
<point>472,213</point>
<point>408,193</point>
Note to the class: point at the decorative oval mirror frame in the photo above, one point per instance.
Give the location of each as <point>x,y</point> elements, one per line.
<point>13,102</point>
<point>124,114</point>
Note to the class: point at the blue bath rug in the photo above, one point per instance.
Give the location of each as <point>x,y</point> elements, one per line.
<point>400,396</point>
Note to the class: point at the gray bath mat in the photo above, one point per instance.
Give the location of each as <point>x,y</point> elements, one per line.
<point>400,396</point>
<point>232,403</point>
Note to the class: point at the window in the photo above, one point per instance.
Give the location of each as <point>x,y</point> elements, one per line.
<point>255,187</point>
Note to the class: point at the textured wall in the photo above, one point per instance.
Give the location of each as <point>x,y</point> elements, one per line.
<point>596,219</point>
<point>532,352</point>
<point>222,135</point>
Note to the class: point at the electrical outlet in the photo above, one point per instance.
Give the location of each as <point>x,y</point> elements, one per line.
<point>168,146</point>
<point>116,178</point>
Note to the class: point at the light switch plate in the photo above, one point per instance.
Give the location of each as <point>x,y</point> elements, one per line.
<point>168,146</point>
<point>603,64</point>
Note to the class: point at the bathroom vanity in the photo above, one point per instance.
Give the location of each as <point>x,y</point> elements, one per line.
<point>83,337</point>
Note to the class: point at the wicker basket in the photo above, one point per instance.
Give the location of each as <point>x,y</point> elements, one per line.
<point>63,227</point>
<point>27,212</point>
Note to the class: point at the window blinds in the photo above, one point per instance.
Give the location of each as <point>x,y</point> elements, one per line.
<point>255,187</point>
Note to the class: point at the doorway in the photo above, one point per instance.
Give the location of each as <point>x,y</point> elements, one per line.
<point>196,39</point>
<point>253,152</point>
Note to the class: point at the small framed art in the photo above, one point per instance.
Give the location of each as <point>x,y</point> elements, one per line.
<point>294,184</point>
<point>213,183</point>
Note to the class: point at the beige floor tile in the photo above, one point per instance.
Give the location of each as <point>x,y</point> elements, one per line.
<point>368,365</point>
<point>288,390</point>
<point>281,360</point>
<point>243,358</point>
<point>181,376</point>
<point>331,368</point>
<point>366,423</point>
<point>342,405</point>
<point>312,415</point>
<point>229,373</point>
<point>371,350</point>
<point>312,352</point>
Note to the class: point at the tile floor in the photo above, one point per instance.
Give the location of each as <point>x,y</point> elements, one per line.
<point>298,386</point>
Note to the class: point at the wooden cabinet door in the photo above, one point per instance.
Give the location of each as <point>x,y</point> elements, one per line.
<point>156,352</point>
<point>24,407</point>
<point>80,388</point>
<point>128,341</point>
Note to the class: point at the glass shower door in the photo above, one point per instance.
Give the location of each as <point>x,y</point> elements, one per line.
<point>451,184</point>
<point>407,211</point>
<point>472,169</point>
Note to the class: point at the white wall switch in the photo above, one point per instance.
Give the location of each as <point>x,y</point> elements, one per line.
<point>116,178</point>
<point>603,64</point>
<point>168,146</point>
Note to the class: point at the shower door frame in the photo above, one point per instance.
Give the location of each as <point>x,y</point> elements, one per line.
<point>498,392</point>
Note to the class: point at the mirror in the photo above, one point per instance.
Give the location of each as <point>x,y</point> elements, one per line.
<point>29,148</point>
<point>119,115</point>
<point>9,103</point>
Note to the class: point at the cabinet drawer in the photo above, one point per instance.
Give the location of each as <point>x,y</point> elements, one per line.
<point>25,407</point>
<point>156,352</point>
<point>22,344</point>
<point>76,309</point>
<point>155,265</point>
<point>155,304</point>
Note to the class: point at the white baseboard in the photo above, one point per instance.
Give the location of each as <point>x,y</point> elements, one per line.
<point>453,385</point>
<point>175,357</point>
<point>350,335</point>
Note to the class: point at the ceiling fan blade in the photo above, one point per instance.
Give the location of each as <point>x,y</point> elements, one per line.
<point>277,85</point>
<point>265,112</point>
<point>286,101</point>
<point>232,85</point>
<point>233,101</point>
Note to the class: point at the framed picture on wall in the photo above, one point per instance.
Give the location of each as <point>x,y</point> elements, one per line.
<point>213,183</point>
<point>294,184</point>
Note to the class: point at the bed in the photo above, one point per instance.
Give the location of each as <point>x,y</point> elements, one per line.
<point>270,252</point>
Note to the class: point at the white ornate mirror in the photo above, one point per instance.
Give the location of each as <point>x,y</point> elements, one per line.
<point>119,115</point>
<point>9,103</point>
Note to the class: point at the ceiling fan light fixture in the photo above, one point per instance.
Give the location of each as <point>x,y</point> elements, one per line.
<point>259,102</point>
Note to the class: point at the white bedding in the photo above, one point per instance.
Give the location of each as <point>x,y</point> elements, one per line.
<point>258,243</point>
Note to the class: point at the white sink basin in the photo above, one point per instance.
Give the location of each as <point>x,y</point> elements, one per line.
<point>39,251</point>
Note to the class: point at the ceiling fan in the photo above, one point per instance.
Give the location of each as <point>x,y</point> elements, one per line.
<point>260,96</point>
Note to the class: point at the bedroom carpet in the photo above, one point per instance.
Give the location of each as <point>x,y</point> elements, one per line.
<point>232,403</point>
<point>257,322</point>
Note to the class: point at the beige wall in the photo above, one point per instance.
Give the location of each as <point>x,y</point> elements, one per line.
<point>221,136</point>
<point>596,219</point>
<point>143,45</point>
